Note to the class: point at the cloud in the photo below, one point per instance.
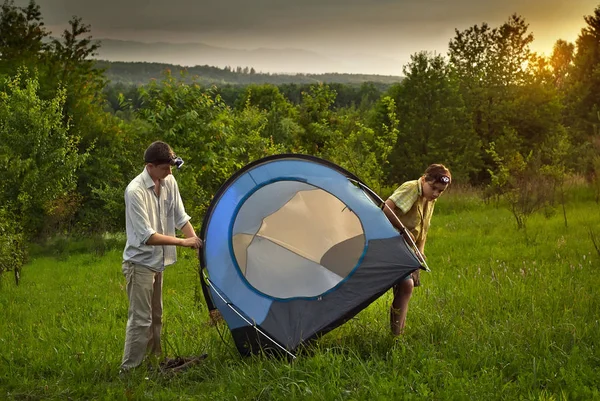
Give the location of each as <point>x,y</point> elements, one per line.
<point>386,28</point>
<point>282,16</point>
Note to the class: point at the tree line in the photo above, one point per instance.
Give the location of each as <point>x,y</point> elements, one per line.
<point>139,73</point>
<point>497,114</point>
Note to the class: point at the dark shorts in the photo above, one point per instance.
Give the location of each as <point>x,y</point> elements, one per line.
<point>415,277</point>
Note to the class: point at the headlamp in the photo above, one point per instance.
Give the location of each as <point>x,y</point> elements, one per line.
<point>177,162</point>
<point>174,161</point>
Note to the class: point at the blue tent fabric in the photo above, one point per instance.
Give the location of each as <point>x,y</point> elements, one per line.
<point>294,248</point>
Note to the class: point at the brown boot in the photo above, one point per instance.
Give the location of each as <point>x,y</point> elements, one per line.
<point>215,317</point>
<point>179,364</point>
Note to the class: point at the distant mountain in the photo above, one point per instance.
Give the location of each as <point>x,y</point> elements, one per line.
<point>286,61</point>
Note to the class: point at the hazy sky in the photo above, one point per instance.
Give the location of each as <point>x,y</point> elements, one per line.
<point>351,29</point>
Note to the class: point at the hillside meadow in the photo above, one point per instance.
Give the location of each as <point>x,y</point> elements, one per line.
<point>505,314</point>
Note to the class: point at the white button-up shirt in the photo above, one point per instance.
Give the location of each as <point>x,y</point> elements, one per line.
<point>146,214</point>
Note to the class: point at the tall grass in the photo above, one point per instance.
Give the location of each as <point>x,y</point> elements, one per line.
<point>503,315</point>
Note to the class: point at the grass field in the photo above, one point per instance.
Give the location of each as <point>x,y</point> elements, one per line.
<point>504,314</point>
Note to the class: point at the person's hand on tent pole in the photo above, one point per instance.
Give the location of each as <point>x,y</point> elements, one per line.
<point>191,239</point>
<point>199,249</point>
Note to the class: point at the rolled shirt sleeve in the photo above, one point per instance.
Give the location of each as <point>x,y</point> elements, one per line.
<point>140,229</point>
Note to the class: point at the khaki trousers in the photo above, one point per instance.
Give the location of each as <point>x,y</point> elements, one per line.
<point>144,319</point>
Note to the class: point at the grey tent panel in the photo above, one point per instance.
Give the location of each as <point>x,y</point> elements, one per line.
<point>280,273</point>
<point>386,261</point>
<point>343,257</point>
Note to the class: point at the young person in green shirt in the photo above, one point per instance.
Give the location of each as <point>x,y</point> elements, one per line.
<point>412,204</point>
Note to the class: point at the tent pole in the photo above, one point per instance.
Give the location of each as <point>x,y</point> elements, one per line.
<point>405,232</point>
<point>246,320</point>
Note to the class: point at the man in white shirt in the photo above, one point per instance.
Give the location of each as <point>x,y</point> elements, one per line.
<point>153,210</point>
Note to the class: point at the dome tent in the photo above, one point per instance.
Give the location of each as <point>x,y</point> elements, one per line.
<point>294,246</point>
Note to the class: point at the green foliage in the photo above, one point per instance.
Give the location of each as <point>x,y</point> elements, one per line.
<point>71,67</point>
<point>193,122</point>
<point>12,244</point>
<point>62,247</point>
<point>38,156</point>
<point>281,124</point>
<point>21,36</point>
<point>64,66</point>
<point>508,103</point>
<point>582,99</point>
<point>264,97</point>
<point>487,57</point>
<point>315,117</point>
<point>211,137</point>
<point>361,149</point>
<point>561,62</point>
<point>434,125</point>
<point>491,89</point>
<point>586,68</point>
<point>498,318</point>
<point>525,182</point>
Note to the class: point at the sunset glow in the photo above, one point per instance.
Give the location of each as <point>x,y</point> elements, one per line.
<point>357,36</point>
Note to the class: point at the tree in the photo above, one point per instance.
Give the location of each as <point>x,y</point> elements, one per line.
<point>38,156</point>
<point>315,117</point>
<point>509,104</point>
<point>471,56</point>
<point>561,62</point>
<point>587,57</point>
<point>205,133</point>
<point>362,149</point>
<point>434,126</point>
<point>584,93</point>
<point>524,181</point>
<point>511,53</point>
<point>22,35</point>
<point>12,245</point>
<point>281,114</point>
<point>72,67</point>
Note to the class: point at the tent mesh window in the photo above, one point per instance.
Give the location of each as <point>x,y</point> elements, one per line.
<point>301,243</point>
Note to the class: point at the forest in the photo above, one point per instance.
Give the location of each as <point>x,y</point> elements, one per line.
<point>139,73</point>
<point>504,119</point>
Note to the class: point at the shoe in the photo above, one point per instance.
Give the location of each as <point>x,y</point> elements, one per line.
<point>215,317</point>
<point>180,364</point>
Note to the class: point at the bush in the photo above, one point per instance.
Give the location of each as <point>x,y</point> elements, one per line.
<point>38,155</point>
<point>525,183</point>
<point>12,249</point>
